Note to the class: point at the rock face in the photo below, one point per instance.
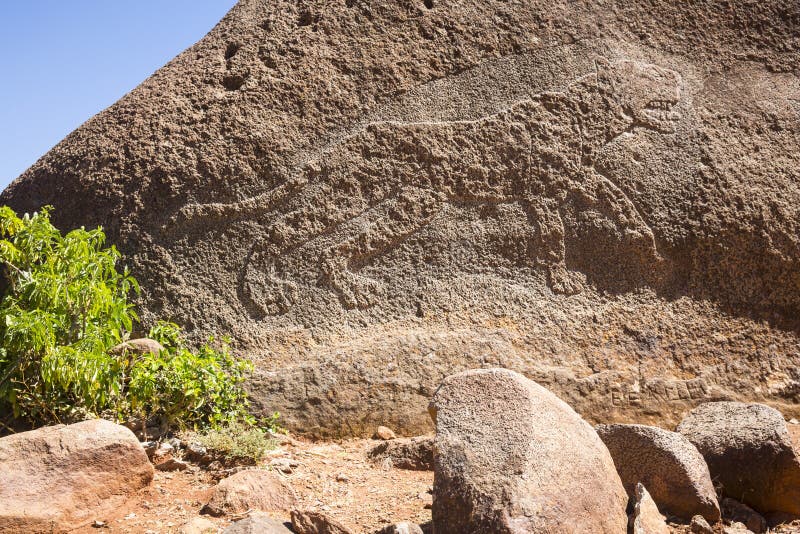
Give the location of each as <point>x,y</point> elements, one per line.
<point>58,478</point>
<point>253,489</point>
<point>499,184</point>
<point>667,464</point>
<point>406,453</point>
<point>749,453</point>
<point>513,458</point>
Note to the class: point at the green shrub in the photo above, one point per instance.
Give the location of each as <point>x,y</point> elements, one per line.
<point>189,388</point>
<point>63,305</point>
<point>235,443</point>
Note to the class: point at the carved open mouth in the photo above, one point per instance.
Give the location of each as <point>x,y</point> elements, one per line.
<point>661,110</point>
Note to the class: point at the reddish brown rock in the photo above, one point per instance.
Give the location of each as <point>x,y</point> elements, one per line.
<point>384,433</point>
<point>749,453</point>
<point>253,489</point>
<point>667,464</point>
<point>59,478</point>
<point>311,522</point>
<point>510,457</point>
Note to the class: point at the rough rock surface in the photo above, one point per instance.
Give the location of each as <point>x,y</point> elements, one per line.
<point>384,433</point>
<point>749,453</point>
<point>58,478</point>
<point>402,528</point>
<point>607,189</point>
<point>198,525</point>
<point>252,489</point>
<point>735,512</point>
<point>138,346</point>
<point>257,524</point>
<point>646,518</point>
<point>699,525</point>
<point>311,522</point>
<point>510,457</point>
<point>406,453</point>
<point>667,464</point>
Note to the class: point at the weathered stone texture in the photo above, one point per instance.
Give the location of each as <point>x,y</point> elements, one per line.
<point>609,188</point>
<point>512,458</point>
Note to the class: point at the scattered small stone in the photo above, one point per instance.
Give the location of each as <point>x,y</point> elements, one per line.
<point>402,528</point>
<point>284,465</point>
<point>341,477</point>
<point>175,442</point>
<point>173,464</point>
<point>164,450</point>
<point>384,433</point>
<point>198,525</point>
<point>310,522</point>
<point>150,448</point>
<point>257,524</point>
<point>736,528</point>
<point>197,453</point>
<point>99,524</point>
<point>736,512</point>
<point>699,525</point>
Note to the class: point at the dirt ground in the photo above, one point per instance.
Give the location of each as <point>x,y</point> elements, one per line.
<point>336,478</point>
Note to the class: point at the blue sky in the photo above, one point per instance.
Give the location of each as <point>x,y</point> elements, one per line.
<point>62,61</point>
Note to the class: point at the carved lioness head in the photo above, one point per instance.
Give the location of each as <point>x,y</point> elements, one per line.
<point>645,92</point>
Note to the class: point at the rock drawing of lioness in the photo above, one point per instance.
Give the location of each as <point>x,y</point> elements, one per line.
<point>395,177</point>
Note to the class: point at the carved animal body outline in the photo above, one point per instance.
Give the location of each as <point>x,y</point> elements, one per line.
<point>395,177</point>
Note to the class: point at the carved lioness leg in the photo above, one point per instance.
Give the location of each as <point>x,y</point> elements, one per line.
<point>383,227</point>
<point>604,196</point>
<point>548,247</point>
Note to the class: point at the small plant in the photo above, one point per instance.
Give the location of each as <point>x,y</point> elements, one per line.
<point>235,443</point>
<point>188,388</point>
<point>63,305</point>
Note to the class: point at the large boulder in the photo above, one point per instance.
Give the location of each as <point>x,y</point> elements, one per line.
<point>370,196</point>
<point>749,453</point>
<point>510,457</point>
<point>255,490</point>
<point>59,478</point>
<point>667,464</point>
